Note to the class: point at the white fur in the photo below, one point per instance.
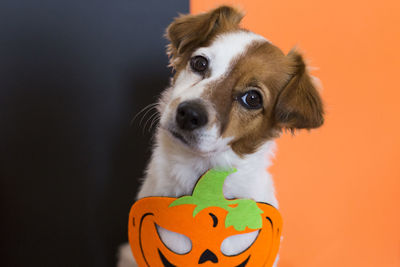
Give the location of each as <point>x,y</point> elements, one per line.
<point>175,167</point>
<point>174,173</point>
<point>125,257</point>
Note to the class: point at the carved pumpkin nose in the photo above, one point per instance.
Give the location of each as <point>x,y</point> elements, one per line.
<point>208,256</point>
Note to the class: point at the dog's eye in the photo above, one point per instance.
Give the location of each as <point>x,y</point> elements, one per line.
<point>251,100</point>
<point>199,64</point>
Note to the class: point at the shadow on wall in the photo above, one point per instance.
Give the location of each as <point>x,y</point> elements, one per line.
<point>72,77</point>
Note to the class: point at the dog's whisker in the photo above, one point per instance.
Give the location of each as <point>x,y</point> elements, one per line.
<point>149,119</point>
<point>154,121</point>
<point>145,114</point>
<point>141,111</point>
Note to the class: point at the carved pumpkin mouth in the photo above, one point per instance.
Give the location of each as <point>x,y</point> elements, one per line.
<point>167,263</point>
<point>243,264</point>
<point>164,260</point>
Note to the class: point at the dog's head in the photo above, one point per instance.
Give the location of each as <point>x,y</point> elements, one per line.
<point>232,88</point>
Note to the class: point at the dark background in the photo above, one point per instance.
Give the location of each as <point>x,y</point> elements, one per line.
<point>72,76</point>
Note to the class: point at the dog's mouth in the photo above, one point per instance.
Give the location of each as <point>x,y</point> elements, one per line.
<point>179,137</point>
<point>199,142</point>
<point>187,138</point>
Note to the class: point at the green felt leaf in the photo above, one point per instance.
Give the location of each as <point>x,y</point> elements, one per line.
<point>208,192</point>
<point>245,214</point>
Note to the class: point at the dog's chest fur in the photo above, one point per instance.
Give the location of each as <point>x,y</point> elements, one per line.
<point>175,173</point>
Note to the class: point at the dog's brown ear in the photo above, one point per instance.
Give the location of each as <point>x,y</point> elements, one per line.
<point>299,105</point>
<point>188,32</point>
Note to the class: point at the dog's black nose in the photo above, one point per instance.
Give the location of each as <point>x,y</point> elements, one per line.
<point>191,115</point>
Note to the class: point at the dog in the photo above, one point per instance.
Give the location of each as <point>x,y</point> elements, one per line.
<point>233,92</point>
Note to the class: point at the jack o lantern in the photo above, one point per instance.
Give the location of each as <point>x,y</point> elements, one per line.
<point>204,229</point>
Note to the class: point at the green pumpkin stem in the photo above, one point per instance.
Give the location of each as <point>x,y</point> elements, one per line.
<point>208,192</point>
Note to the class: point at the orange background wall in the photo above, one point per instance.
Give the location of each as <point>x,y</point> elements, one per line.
<point>339,186</point>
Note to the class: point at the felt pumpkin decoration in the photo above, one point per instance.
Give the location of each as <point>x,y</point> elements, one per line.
<point>204,229</point>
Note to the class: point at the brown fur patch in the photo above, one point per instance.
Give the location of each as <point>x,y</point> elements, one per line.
<point>262,66</point>
<point>188,32</point>
<point>265,67</point>
<point>299,105</point>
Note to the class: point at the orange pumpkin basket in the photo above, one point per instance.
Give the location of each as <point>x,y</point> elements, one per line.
<point>204,228</point>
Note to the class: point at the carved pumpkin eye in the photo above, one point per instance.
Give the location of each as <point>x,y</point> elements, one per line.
<point>237,244</point>
<point>177,243</point>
